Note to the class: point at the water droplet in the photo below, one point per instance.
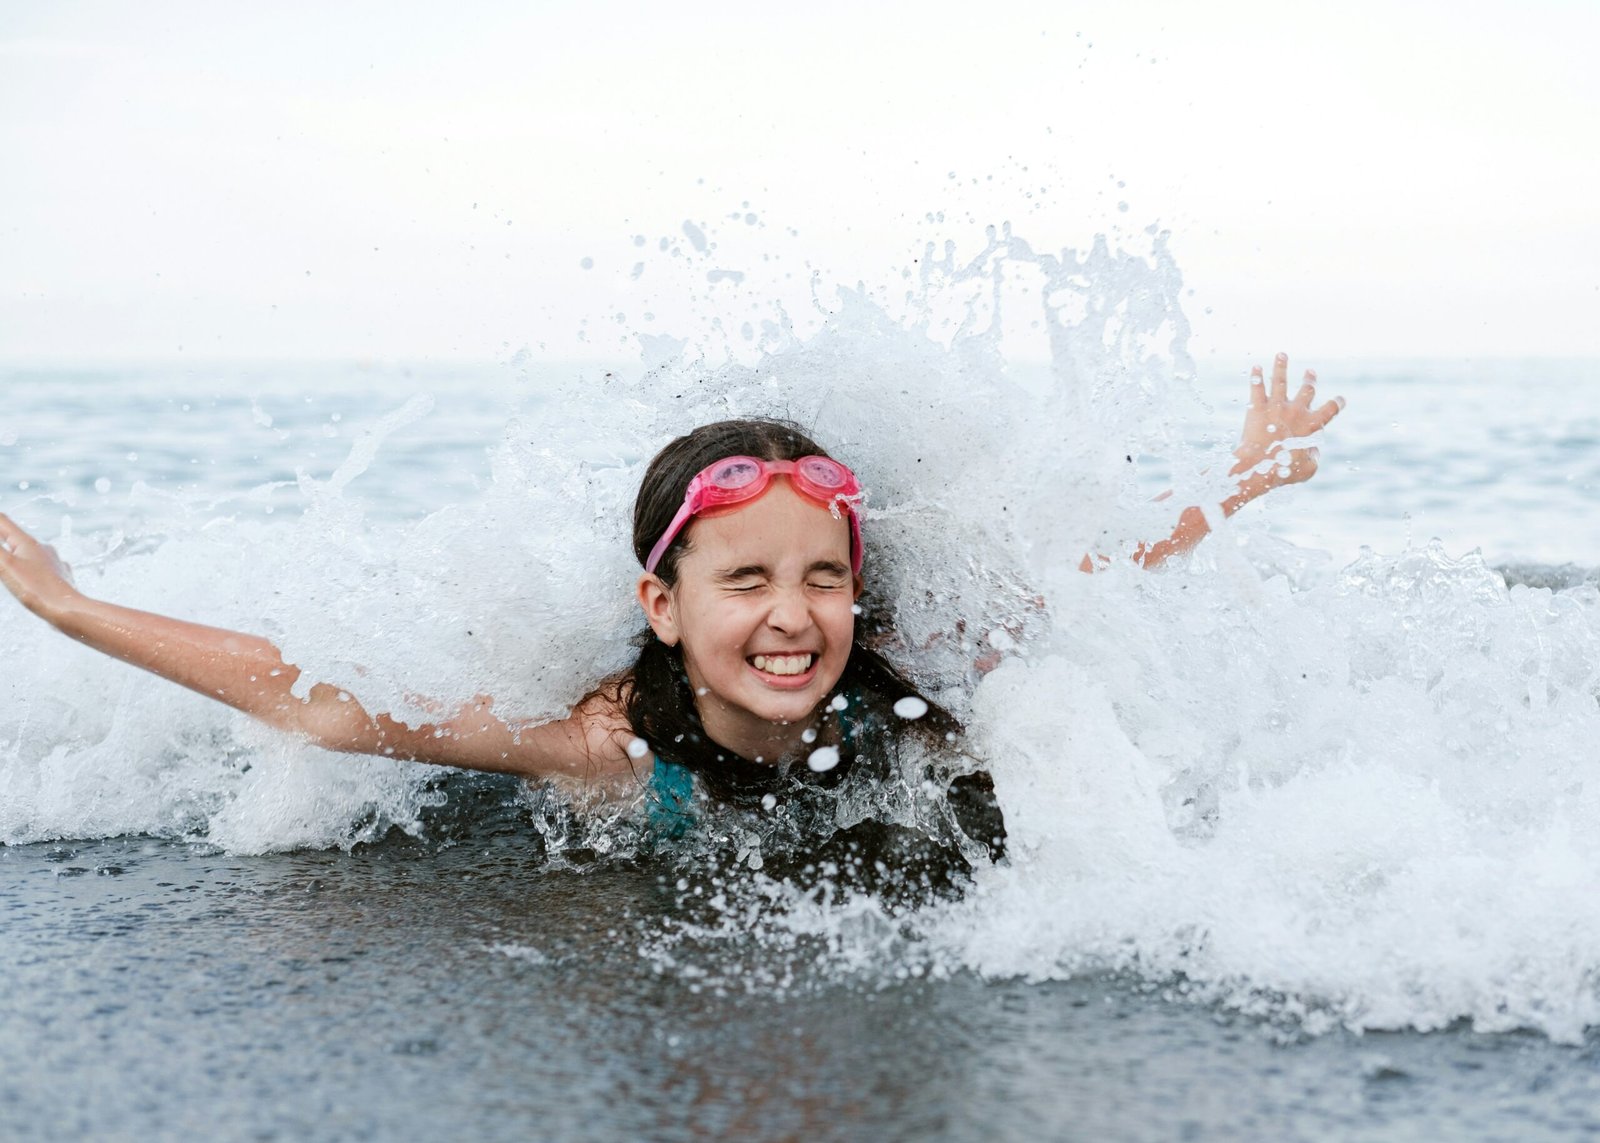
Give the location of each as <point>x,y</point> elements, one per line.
<point>638,748</point>
<point>102,485</point>
<point>823,759</point>
<point>587,263</point>
<point>911,707</point>
<point>808,735</point>
<point>769,802</point>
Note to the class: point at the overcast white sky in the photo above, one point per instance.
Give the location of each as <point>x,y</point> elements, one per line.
<point>400,180</point>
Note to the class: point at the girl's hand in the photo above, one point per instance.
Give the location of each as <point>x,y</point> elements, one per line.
<point>33,572</point>
<point>1273,418</point>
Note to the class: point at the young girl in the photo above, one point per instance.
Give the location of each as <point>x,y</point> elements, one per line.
<point>755,680</point>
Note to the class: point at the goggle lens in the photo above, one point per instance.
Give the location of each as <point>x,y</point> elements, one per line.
<point>739,472</point>
<point>823,472</point>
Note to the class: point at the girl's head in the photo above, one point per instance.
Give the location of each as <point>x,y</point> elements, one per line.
<point>753,619</point>
<point>758,596</point>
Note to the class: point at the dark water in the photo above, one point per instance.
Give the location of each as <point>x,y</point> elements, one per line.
<point>463,989</point>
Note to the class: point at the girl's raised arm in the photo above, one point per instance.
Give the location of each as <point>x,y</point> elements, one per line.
<point>1273,417</point>
<point>248,673</point>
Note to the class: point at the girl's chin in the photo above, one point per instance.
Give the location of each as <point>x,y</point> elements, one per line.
<point>788,705</point>
<point>794,706</point>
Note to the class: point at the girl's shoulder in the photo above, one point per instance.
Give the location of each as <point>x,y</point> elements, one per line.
<point>599,723</point>
<point>589,747</point>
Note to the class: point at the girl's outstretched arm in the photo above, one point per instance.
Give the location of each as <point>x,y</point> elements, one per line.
<point>248,673</point>
<point>1273,417</point>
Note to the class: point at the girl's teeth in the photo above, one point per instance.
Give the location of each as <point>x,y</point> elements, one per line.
<point>781,664</point>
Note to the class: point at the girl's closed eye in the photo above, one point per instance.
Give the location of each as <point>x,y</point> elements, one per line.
<point>828,571</point>
<point>741,579</point>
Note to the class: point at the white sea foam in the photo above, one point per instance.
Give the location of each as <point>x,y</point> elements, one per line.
<point>1373,796</point>
<point>1362,796</point>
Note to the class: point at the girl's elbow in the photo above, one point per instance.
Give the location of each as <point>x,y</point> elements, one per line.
<point>335,722</point>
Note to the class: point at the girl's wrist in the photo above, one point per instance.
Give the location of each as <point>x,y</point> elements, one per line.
<point>1253,486</point>
<point>67,610</point>
<point>1249,457</point>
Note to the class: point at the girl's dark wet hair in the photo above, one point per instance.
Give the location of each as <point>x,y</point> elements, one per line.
<point>659,702</point>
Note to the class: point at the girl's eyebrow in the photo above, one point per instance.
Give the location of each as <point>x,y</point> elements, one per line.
<point>832,567</point>
<point>748,571</point>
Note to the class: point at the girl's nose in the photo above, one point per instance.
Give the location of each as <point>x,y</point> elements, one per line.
<point>789,613</point>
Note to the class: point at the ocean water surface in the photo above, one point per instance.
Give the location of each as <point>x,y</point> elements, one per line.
<point>1302,830</point>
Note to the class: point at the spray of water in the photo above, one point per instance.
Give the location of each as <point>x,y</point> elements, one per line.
<point>1360,796</point>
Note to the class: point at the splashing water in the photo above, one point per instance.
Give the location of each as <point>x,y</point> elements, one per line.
<point>1368,796</point>
<point>1360,797</point>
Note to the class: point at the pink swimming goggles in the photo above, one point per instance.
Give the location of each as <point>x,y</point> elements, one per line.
<point>735,479</point>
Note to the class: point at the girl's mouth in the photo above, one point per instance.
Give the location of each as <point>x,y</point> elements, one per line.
<point>784,666</point>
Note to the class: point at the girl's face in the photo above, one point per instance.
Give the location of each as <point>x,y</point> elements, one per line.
<point>764,611</point>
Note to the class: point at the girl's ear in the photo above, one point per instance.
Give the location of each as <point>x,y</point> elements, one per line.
<point>857,585</point>
<point>655,599</point>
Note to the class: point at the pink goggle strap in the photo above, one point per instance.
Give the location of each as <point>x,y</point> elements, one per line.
<point>671,533</point>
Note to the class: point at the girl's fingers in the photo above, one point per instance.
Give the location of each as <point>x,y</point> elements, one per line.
<point>1308,390</point>
<point>1258,388</point>
<point>12,537</point>
<point>1280,377</point>
<point>1329,411</point>
<point>10,533</point>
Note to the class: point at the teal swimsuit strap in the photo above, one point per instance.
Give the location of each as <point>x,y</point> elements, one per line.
<point>668,798</point>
